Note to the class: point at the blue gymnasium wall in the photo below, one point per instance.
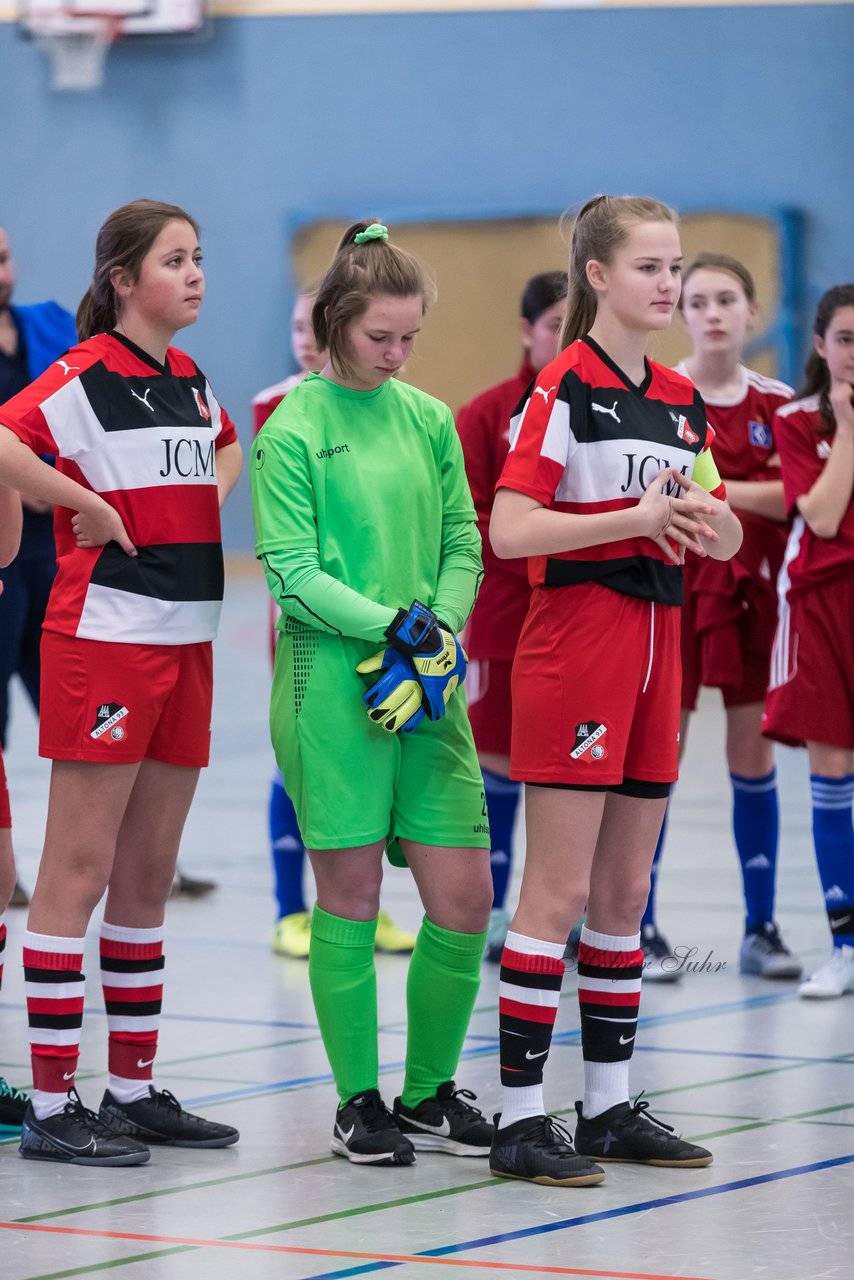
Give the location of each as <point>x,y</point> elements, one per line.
<point>272,118</point>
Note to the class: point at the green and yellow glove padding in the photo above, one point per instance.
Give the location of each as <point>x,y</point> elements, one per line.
<point>394,700</point>
<point>437,657</point>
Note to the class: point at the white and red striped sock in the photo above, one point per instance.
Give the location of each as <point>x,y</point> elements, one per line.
<point>55,985</point>
<point>132,978</point>
<point>610,968</point>
<point>528,996</point>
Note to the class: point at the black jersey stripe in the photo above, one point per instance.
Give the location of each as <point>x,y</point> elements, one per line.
<point>140,402</point>
<point>169,571</point>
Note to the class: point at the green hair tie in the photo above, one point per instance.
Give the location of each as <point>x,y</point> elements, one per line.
<point>376,231</point>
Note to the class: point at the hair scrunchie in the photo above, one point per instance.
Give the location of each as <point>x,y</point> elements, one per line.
<point>376,231</point>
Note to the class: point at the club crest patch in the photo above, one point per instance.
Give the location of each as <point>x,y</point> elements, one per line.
<point>107,719</point>
<point>760,435</point>
<point>588,737</point>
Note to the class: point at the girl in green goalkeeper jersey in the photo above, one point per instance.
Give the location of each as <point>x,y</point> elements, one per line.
<point>361,507</point>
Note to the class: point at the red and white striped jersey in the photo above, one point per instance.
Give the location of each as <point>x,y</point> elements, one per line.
<point>267,400</point>
<point>144,436</point>
<point>586,440</point>
<point>744,436</point>
<point>804,445</point>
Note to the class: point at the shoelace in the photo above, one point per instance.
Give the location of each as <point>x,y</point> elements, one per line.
<point>375,1115</point>
<point>74,1107</point>
<point>163,1098</point>
<point>641,1109</point>
<point>458,1103</point>
<point>8,1091</point>
<point>556,1136</point>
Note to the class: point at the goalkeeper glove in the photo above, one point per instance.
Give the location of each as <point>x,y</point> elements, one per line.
<point>436,654</point>
<point>394,700</point>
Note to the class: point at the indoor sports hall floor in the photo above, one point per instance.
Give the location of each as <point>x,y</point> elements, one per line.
<point>736,1063</point>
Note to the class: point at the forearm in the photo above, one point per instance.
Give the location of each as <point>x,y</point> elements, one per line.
<point>727,526</point>
<point>516,531</point>
<point>10,525</point>
<point>460,575</point>
<point>229,461</point>
<point>303,591</point>
<point>760,498</point>
<point>21,469</point>
<point>827,501</point>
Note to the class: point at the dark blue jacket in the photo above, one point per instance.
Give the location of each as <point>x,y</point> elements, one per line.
<point>48,331</point>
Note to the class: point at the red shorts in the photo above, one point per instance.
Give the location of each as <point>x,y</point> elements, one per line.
<point>752,637</point>
<point>123,703</point>
<point>5,810</point>
<point>488,698</point>
<point>811,698</point>
<point>596,689</point>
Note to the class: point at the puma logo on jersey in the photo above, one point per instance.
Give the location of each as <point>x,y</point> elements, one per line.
<point>601,408</point>
<point>68,368</point>
<point>144,399</point>
<point>541,391</point>
<point>204,411</point>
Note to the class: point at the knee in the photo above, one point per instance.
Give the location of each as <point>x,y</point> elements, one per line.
<point>620,910</point>
<point>549,915</point>
<point>350,902</point>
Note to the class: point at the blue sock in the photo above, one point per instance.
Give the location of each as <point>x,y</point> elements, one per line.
<point>502,801</point>
<point>756,827</point>
<point>649,912</point>
<point>287,849</point>
<point>833,833</point>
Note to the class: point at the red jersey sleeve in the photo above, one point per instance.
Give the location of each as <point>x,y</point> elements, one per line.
<point>796,441</point>
<point>261,412</point>
<point>539,440</point>
<point>29,413</point>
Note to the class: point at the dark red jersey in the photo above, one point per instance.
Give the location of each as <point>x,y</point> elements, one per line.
<point>587,440</point>
<point>144,436</point>
<point>270,398</point>
<point>744,427</point>
<point>502,602</point>
<point>804,445</point>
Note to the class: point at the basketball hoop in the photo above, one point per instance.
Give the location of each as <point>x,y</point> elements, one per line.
<point>77,47</point>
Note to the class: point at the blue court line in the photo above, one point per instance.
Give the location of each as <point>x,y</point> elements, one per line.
<point>643,1206</point>
<point>97,1011</point>
<point>843,1060</point>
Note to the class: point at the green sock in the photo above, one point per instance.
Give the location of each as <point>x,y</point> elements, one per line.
<point>443,982</point>
<point>343,981</point>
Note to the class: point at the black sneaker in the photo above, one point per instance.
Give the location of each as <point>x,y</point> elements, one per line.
<point>628,1132</point>
<point>366,1132</point>
<point>77,1136</point>
<point>13,1106</point>
<point>659,962</point>
<point>539,1149</point>
<point>184,886</point>
<point>160,1120</point>
<point>446,1122</point>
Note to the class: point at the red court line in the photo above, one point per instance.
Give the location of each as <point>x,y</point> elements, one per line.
<point>527,1269</point>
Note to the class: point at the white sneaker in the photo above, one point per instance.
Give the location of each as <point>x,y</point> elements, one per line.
<point>832,979</point>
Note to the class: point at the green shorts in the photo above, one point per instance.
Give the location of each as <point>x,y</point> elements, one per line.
<point>352,782</point>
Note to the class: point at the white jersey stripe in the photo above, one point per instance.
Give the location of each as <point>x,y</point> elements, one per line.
<point>133,619</point>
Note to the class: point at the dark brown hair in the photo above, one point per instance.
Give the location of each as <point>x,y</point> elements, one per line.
<point>601,226</point>
<point>541,293</point>
<point>358,273</point>
<point>123,241</point>
<point>817,374</point>
<point>721,262</point>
